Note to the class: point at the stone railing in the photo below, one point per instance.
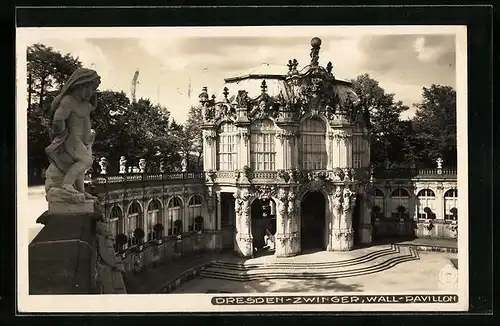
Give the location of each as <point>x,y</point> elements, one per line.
<point>409,173</point>
<point>138,177</point>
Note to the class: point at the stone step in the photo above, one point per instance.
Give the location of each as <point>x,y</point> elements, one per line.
<point>393,250</point>
<point>332,273</point>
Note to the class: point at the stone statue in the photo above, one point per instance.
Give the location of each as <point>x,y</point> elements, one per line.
<point>70,153</point>
<point>123,165</point>
<point>103,163</point>
<point>142,165</point>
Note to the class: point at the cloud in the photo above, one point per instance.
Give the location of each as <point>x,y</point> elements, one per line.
<point>403,64</point>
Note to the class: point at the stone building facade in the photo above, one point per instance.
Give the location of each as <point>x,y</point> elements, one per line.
<point>287,155</point>
<point>299,149</point>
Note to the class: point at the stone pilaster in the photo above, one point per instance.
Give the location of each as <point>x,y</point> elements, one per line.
<point>243,235</point>
<point>287,138</point>
<point>209,143</point>
<point>440,201</point>
<point>283,235</point>
<point>341,237</point>
<point>244,147</point>
<point>219,212</point>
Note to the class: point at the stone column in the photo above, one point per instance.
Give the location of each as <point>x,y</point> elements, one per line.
<point>219,212</point>
<point>341,237</point>
<point>243,235</point>
<point>293,222</point>
<point>439,202</point>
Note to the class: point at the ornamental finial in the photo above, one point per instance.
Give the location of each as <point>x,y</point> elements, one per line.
<point>263,86</point>
<point>316,45</point>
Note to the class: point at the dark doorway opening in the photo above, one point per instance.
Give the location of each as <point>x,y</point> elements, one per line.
<point>356,219</point>
<point>313,221</point>
<point>228,215</point>
<point>263,213</point>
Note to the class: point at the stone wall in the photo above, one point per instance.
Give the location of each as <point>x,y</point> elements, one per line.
<point>147,255</point>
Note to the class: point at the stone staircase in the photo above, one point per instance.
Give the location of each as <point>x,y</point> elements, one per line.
<point>369,263</point>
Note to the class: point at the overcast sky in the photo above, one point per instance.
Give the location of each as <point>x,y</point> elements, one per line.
<point>403,64</point>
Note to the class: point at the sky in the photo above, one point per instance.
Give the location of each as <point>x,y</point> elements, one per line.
<point>171,65</point>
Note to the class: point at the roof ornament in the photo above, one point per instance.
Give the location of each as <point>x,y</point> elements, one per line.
<point>316,45</point>
<point>329,67</point>
<point>263,86</point>
<point>226,93</point>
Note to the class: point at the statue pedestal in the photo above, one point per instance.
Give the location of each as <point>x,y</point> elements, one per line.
<point>73,253</point>
<point>59,207</point>
<point>62,257</point>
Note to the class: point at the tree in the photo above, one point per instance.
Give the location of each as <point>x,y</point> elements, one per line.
<point>194,134</point>
<point>435,125</point>
<point>389,135</point>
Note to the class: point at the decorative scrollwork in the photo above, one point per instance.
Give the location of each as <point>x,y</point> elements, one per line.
<point>264,192</point>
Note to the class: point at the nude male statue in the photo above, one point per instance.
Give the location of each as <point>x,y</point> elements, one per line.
<point>70,153</point>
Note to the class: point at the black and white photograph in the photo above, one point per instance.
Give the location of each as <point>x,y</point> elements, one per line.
<point>201,169</point>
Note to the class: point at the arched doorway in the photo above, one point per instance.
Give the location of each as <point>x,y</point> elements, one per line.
<point>313,221</point>
<point>263,213</point>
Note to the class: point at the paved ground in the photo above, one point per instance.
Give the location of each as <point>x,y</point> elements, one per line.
<point>419,275</point>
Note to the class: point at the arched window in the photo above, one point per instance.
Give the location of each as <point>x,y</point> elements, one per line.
<point>313,154</point>
<point>426,204</point>
<point>226,147</point>
<point>115,220</point>
<point>194,210</point>
<point>133,220</point>
<point>262,149</point>
<point>379,201</point>
<point>400,202</point>
<point>450,205</point>
<point>174,216</point>
<point>154,216</point>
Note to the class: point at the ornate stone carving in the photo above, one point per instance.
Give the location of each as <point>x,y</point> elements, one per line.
<point>284,134</point>
<point>242,99</point>
<point>342,137</point>
<point>291,202</point>
<point>211,137</point>
<point>264,192</point>
<point>282,203</point>
<point>348,199</point>
<point>70,152</point>
<point>284,175</point>
<point>338,174</point>
<point>337,198</point>
<point>211,176</point>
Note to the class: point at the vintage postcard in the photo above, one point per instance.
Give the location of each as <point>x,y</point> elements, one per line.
<point>202,169</point>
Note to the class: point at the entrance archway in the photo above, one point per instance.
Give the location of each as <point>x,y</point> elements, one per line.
<point>263,213</point>
<point>313,221</point>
